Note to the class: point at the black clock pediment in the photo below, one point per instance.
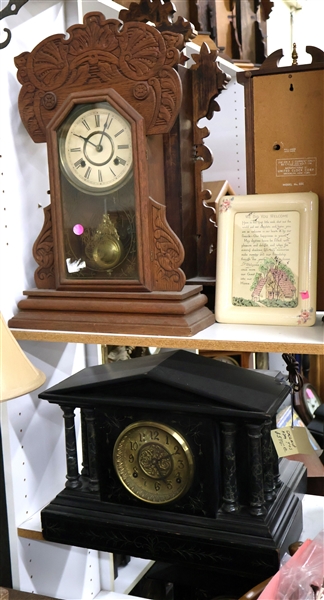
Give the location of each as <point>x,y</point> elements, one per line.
<point>119,371</point>
<point>176,378</point>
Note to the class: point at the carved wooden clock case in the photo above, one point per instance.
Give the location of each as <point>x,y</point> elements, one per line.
<point>178,467</point>
<point>108,100</point>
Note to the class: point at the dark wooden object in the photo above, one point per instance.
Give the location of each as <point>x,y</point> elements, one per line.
<point>238,27</point>
<point>256,591</point>
<point>285,133</point>
<point>139,63</point>
<point>238,515</point>
<point>18,595</point>
<point>156,313</point>
<point>185,149</point>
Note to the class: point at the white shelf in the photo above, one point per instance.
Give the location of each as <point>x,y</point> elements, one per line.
<point>31,528</point>
<point>238,338</point>
<point>128,576</point>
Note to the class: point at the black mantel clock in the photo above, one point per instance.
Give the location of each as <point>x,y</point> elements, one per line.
<point>178,467</point>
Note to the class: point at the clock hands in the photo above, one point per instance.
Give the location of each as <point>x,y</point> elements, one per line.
<point>85,139</point>
<point>155,463</point>
<point>106,151</point>
<point>163,475</point>
<point>104,129</point>
<point>98,147</point>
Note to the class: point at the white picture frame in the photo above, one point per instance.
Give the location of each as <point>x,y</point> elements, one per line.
<point>267,259</point>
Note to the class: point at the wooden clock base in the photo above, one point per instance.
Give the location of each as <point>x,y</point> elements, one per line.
<point>150,313</point>
<point>235,550</point>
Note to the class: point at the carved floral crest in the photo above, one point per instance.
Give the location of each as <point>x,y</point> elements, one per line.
<point>134,58</point>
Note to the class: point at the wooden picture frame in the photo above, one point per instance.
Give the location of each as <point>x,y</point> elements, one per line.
<point>267,259</point>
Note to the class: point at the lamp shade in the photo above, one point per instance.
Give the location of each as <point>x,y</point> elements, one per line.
<point>17,374</point>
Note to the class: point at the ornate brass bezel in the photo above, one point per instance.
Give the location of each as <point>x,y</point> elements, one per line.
<point>154,470</point>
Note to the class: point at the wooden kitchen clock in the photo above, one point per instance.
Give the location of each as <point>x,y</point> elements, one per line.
<point>106,101</point>
<point>178,466</point>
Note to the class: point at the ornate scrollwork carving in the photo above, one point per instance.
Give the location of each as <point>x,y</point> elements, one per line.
<point>161,14</point>
<point>153,545</point>
<point>44,255</point>
<point>208,82</point>
<point>101,54</point>
<point>217,80</point>
<point>168,252</point>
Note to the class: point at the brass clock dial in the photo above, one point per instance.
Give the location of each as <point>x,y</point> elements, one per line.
<point>153,462</point>
<point>96,148</point>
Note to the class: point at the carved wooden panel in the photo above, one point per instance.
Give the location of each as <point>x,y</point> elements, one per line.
<point>168,252</point>
<point>135,59</point>
<point>161,14</point>
<point>207,83</point>
<point>43,252</point>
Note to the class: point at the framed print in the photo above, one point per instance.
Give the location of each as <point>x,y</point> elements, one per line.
<point>267,259</point>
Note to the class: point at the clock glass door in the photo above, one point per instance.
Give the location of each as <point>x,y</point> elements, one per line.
<point>95,153</point>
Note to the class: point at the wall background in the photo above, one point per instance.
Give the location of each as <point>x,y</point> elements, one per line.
<point>303,26</point>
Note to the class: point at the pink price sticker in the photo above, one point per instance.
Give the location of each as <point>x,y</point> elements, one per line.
<point>304,295</point>
<point>78,229</point>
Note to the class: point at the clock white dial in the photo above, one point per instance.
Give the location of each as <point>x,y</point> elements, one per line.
<point>96,148</point>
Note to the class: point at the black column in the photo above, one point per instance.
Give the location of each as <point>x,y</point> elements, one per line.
<point>230,495</point>
<point>268,460</point>
<point>72,475</point>
<point>84,437</point>
<point>256,491</point>
<point>92,450</point>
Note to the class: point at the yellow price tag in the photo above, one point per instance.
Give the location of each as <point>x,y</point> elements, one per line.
<point>291,440</point>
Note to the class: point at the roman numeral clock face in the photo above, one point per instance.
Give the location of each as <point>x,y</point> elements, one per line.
<point>96,148</point>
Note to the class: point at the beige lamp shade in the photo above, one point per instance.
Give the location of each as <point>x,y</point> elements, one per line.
<point>17,374</point>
